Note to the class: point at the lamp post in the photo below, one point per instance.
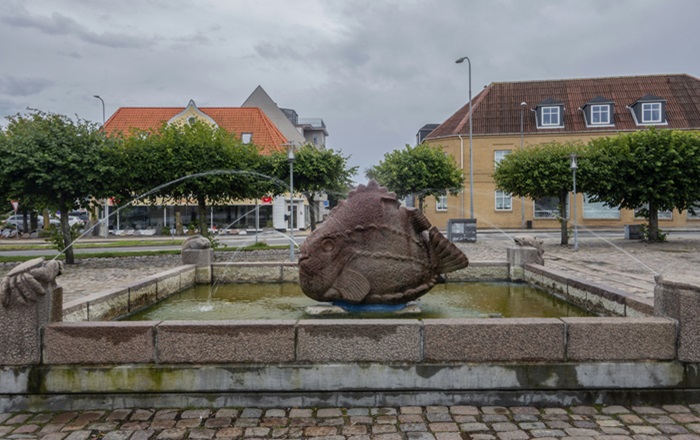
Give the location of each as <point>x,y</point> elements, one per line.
<point>290,158</point>
<point>522,135</point>
<point>471,161</point>
<point>574,167</point>
<point>106,233</point>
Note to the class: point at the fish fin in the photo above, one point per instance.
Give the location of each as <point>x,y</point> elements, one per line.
<point>447,256</point>
<point>419,221</point>
<point>352,285</point>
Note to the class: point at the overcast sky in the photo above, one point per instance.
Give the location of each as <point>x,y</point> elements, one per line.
<point>375,71</point>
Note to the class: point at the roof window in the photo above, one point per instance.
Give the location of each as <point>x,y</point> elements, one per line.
<point>549,114</point>
<point>649,110</point>
<point>598,112</point>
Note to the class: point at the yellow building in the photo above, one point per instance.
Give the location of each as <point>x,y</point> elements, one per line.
<point>508,116</point>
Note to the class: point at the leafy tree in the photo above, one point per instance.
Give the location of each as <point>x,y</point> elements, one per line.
<point>221,165</point>
<point>540,171</point>
<point>648,170</point>
<point>53,162</point>
<point>420,171</point>
<point>316,171</point>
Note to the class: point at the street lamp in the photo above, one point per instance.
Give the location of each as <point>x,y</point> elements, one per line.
<point>290,158</point>
<point>471,162</point>
<point>106,234</point>
<point>522,135</point>
<point>103,109</point>
<point>574,167</point>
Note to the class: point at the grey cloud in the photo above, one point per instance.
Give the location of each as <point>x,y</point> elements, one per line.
<point>59,24</point>
<point>14,86</point>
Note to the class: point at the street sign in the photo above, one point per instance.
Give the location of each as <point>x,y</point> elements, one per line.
<point>15,205</point>
<point>266,199</point>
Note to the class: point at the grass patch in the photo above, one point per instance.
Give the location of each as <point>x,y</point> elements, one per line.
<point>259,246</point>
<point>17,259</point>
<point>7,246</point>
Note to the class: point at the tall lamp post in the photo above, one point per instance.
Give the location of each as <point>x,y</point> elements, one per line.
<point>522,135</point>
<point>106,233</point>
<point>290,158</point>
<point>471,162</point>
<point>574,167</point>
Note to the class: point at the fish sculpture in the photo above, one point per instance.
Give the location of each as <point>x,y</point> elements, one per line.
<point>371,250</point>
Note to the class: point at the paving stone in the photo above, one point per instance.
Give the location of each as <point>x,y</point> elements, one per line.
<point>685,437</point>
<point>672,429</point>
<point>358,437</point>
<point>443,427</point>
<point>547,433</point>
<point>135,426</point>
<point>248,423</point>
<point>532,425</point>
<point>559,425</point>
<point>676,408</point>
<point>337,421</point>
<point>383,429</point>
<point>163,424</point>
<point>685,417</point>
<point>386,420</point>
<point>437,409</point>
<point>103,426</point>
<point>504,426</point>
<point>4,416</point>
<point>473,427</point>
<point>695,427</point>
<point>609,423</point>
<point>300,412</point>
<point>464,419</point>
<point>51,428</point>
<point>614,437</point>
<point>649,437</point>
<point>549,411</point>
<point>329,412</point>
<point>26,429</point>
<point>464,410</point>
<point>319,431</point>
<point>41,418</point>
<point>256,432</point>
<point>300,422</point>
<point>483,436</point>
<point>361,411</point>
<point>172,434</point>
<point>383,411</point>
<point>513,435</point>
<point>273,422</point>
<point>361,420</point>
<point>525,418</point>
<point>411,427</point>
<point>646,430</point>
<point>615,409</point>
<point>439,417</point>
<point>448,436</point>
<point>657,420</point>
<point>586,424</point>
<point>411,418</point>
<point>278,433</point>
<point>581,432</point>
<point>190,423</point>
<point>556,416</point>
<point>141,415</point>
<point>494,410</point>
<point>118,414</point>
<point>420,436</point>
<point>614,431</point>
<point>230,432</point>
<point>227,413</point>
<point>631,419</point>
<point>393,436</point>
<point>117,435</point>
<point>5,429</point>
<point>166,414</point>
<point>648,410</point>
<point>525,410</point>
<point>584,410</point>
<point>18,419</point>
<point>491,418</point>
<point>52,436</point>
<point>142,434</point>
<point>198,414</point>
<point>218,422</point>
<point>355,430</point>
<point>78,435</point>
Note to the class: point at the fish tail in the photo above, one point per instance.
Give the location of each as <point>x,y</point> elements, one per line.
<point>447,256</point>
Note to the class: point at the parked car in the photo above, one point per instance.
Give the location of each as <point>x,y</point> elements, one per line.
<point>17,220</point>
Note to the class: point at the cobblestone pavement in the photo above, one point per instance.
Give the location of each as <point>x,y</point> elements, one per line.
<point>677,422</point>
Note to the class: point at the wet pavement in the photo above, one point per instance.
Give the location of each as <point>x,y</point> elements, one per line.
<point>677,422</point>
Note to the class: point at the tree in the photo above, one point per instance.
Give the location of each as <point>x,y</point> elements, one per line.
<point>316,171</point>
<point>221,166</point>
<point>540,171</point>
<point>648,170</point>
<point>53,162</point>
<point>419,171</point>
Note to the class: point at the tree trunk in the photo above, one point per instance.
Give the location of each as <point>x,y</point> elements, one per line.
<point>34,221</point>
<point>25,222</point>
<point>67,238</point>
<point>314,208</point>
<point>421,200</point>
<point>45,213</point>
<point>653,229</point>
<point>178,220</point>
<point>563,219</point>
<point>202,211</point>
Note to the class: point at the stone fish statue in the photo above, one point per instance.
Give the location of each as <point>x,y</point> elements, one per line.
<point>371,250</point>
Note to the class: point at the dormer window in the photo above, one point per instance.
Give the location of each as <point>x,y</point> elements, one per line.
<point>246,137</point>
<point>598,112</point>
<point>649,110</point>
<point>549,114</point>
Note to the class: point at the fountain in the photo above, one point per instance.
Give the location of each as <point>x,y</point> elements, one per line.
<point>639,352</point>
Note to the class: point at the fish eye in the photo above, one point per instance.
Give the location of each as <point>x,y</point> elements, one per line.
<point>328,245</point>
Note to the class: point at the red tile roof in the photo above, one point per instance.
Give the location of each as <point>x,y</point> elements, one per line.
<point>496,109</point>
<point>234,119</point>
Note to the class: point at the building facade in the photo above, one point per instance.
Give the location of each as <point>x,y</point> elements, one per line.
<point>509,116</point>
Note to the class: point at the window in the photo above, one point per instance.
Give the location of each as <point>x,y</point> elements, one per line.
<point>315,139</point>
<point>550,116</point>
<point>246,137</point>
<point>651,112</point>
<point>498,156</point>
<point>441,204</point>
<point>696,208</point>
<point>191,120</point>
<point>598,210</point>
<point>663,215</point>
<point>548,208</point>
<point>504,201</point>
<point>600,114</point>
